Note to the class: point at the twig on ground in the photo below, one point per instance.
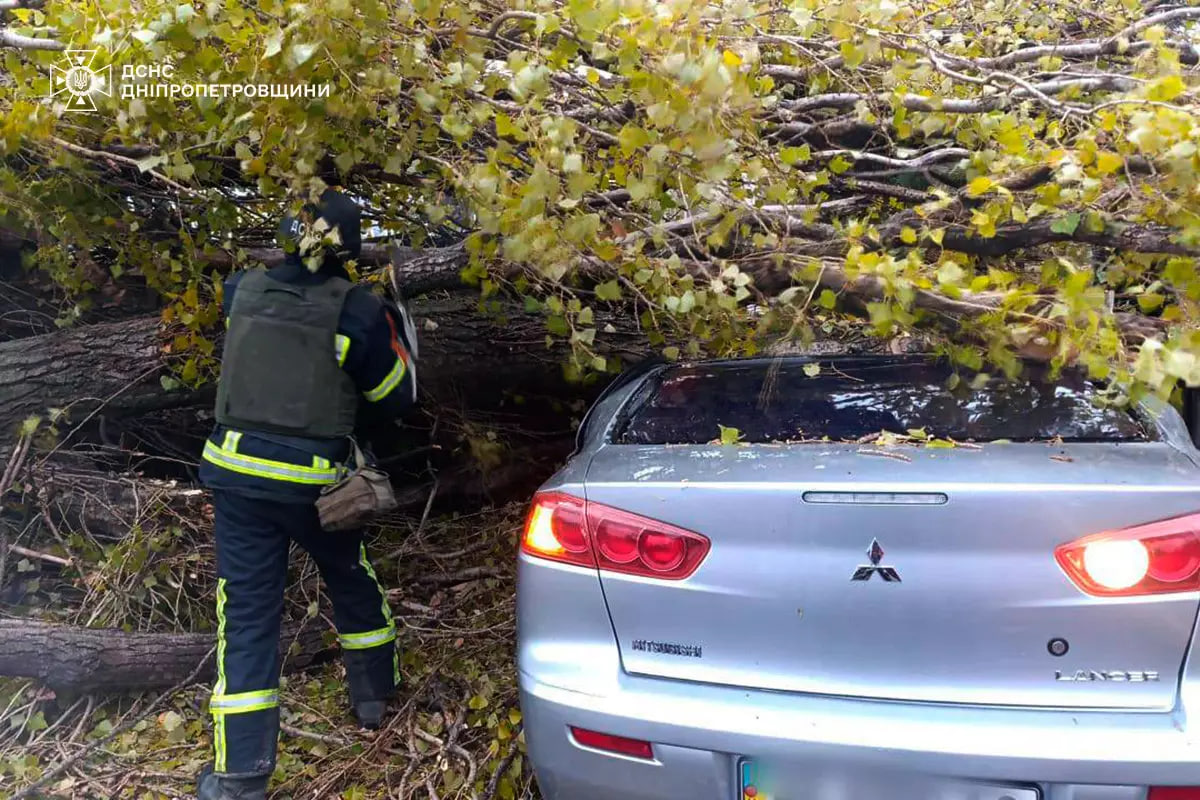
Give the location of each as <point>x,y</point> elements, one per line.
<point>494,782</point>
<point>462,576</point>
<point>330,739</point>
<point>25,551</point>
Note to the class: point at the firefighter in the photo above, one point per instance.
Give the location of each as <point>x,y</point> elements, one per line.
<point>310,359</point>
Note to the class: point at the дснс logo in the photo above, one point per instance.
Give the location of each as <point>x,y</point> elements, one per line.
<point>77,78</point>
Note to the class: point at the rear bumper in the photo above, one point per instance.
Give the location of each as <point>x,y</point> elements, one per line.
<point>699,732</point>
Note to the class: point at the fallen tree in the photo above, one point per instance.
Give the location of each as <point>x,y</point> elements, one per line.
<point>465,355</point>
<point>726,178</point>
<point>81,660</point>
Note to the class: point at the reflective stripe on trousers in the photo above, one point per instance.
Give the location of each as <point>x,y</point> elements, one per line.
<point>387,613</point>
<point>243,702</point>
<point>219,748</point>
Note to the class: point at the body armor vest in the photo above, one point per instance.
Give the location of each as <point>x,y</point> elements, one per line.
<point>279,368</point>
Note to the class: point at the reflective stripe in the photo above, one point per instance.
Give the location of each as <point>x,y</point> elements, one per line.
<point>219,689</point>
<point>341,344</point>
<point>266,468</point>
<point>364,641</point>
<point>389,383</point>
<point>232,438</point>
<point>384,607</point>
<point>321,463</point>
<point>243,702</point>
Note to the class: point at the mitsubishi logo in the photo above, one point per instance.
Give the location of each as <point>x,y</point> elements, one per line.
<point>864,573</point>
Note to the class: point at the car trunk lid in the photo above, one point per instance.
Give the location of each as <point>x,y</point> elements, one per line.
<point>901,572</point>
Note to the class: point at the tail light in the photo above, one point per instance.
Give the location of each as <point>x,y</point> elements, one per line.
<point>1158,558</point>
<point>635,748</point>
<point>574,531</point>
<point>1174,793</point>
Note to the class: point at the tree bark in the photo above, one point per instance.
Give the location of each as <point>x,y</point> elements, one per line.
<point>465,356</point>
<point>106,660</point>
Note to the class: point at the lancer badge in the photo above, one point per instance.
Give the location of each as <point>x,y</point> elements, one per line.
<point>864,573</point>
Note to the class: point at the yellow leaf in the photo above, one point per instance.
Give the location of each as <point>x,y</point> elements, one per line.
<point>731,59</point>
<point>1166,88</point>
<point>979,185</point>
<point>937,235</point>
<point>1108,163</point>
<point>908,235</point>
<point>984,223</point>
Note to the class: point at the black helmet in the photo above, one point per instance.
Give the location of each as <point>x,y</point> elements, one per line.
<point>339,212</point>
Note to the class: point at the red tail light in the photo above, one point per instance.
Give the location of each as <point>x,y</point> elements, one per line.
<point>567,529</point>
<point>1158,558</point>
<point>1174,793</point>
<point>613,744</point>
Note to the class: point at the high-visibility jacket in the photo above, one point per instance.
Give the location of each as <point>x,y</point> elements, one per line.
<point>372,346</point>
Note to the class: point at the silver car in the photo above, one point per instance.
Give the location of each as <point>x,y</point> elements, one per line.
<point>995,598</point>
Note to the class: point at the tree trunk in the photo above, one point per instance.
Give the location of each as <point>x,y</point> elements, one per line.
<point>106,660</point>
<point>465,356</point>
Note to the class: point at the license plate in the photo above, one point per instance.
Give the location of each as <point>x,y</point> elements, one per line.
<point>759,783</point>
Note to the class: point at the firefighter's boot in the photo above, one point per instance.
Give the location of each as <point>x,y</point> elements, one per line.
<point>370,679</point>
<point>231,787</point>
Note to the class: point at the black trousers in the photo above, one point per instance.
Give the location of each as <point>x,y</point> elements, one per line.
<point>252,539</point>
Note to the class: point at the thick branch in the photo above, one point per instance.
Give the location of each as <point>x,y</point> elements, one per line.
<point>967,305</point>
<point>1117,235</point>
<point>106,660</point>
<point>10,39</point>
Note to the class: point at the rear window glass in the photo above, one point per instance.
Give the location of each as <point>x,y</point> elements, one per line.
<point>775,400</point>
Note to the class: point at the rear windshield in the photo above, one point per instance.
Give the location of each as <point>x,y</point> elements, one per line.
<point>776,401</point>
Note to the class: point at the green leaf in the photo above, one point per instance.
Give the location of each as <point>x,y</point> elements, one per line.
<point>609,290</point>
<point>839,165</point>
<point>36,723</point>
<point>729,435</point>
<point>150,162</point>
<point>1066,224</point>
<point>795,155</point>
<point>828,299</point>
<point>1149,303</point>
